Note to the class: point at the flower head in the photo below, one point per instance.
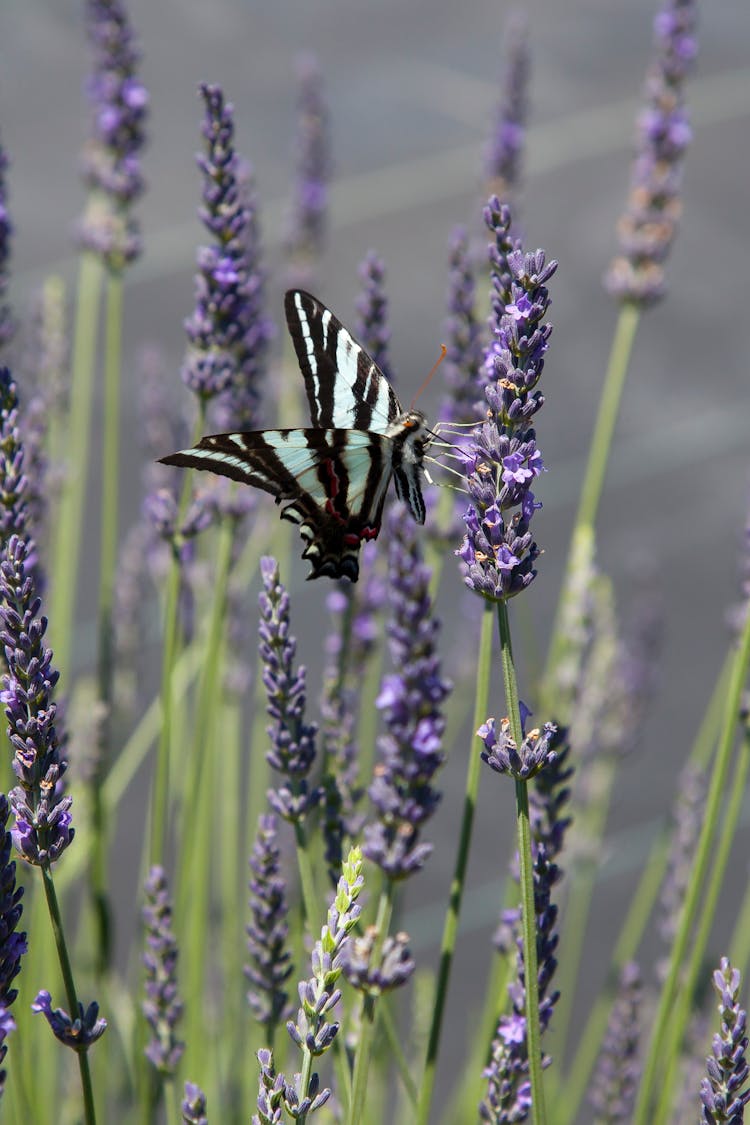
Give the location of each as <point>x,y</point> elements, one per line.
<point>292,750</point>
<point>194,1105</point>
<point>725,1092</point>
<point>410,700</point>
<point>463,366</point>
<point>309,213</point>
<point>269,965</point>
<point>504,152</point>
<point>111,159</point>
<point>502,755</point>
<point>372,328</point>
<point>498,550</point>
<point>649,225</point>
<point>618,1070</point>
<point>391,968</point>
<point>162,1006</point>
<point>228,331</point>
<point>79,1033</point>
<point>7,322</point>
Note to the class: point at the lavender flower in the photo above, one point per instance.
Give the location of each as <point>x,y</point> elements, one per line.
<point>14,486</point>
<point>391,968</point>
<point>194,1105</point>
<point>649,225</point>
<point>687,821</point>
<point>79,1033</point>
<point>292,750</point>
<point>309,213</point>
<point>725,1092</point>
<point>615,1080</point>
<point>12,944</point>
<point>7,1024</point>
<point>502,755</point>
<point>502,461</point>
<point>162,1006</point>
<point>7,322</point>
<point>508,1086</point>
<point>411,701</point>
<point>228,331</point>
<point>464,358</point>
<point>111,159</point>
<point>372,328</point>
<point>43,823</point>
<point>270,963</point>
<point>504,152</point>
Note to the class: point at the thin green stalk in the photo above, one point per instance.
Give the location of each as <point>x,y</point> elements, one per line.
<point>367,1022</point>
<point>526,878</point>
<point>665,1021</point>
<point>70,989</point>
<point>306,876</point>
<point>450,928</point>
<point>395,1044</point>
<point>68,538</point>
<point>601,443</point>
<point>105,666</point>
<point>720,852</point>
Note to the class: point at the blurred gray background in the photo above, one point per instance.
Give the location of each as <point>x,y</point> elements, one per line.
<point>412,89</point>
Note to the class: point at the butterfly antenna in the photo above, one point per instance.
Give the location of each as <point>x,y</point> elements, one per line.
<point>425,382</point>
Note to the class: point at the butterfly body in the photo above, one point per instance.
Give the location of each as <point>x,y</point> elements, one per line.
<point>331,478</point>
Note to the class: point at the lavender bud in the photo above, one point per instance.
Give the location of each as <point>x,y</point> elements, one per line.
<point>725,1092</point>
<point>270,961</point>
<point>371,328</point>
<point>615,1081</point>
<point>502,755</point>
<point>162,1006</point>
<point>7,321</point>
<point>78,1033</point>
<point>194,1105</point>
<point>309,214</point>
<point>392,967</point>
<point>505,150</point>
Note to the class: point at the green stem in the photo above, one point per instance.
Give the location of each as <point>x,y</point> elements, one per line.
<point>601,443</point>
<point>450,928</point>
<point>395,1043</point>
<point>68,539</point>
<point>665,1028</point>
<point>160,792</point>
<point>307,879</point>
<point>367,1022</point>
<point>526,880</point>
<point>70,989</point>
<point>107,567</point>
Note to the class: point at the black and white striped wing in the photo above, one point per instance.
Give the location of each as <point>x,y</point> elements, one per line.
<point>345,388</point>
<point>332,482</point>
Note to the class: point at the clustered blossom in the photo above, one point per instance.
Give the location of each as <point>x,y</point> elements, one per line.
<point>270,963</point>
<point>725,1092</point>
<point>79,1033</point>
<point>312,1032</point>
<point>194,1105</point>
<point>7,322</point>
<point>502,461</point>
<point>162,1006</point>
<point>375,973</point>
<point>111,159</point>
<point>309,211</point>
<point>13,943</point>
<point>292,750</point>
<point>410,700</point>
<point>648,227</point>
<point>228,331</point>
<point>372,329</point>
<point>14,485</point>
<point>464,358</point>
<point>43,827</point>
<point>615,1081</point>
<point>508,1087</point>
<point>502,755</point>
<point>504,152</point>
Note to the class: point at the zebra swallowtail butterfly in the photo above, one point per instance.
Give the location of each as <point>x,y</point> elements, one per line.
<point>332,478</point>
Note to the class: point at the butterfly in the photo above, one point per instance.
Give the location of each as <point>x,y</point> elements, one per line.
<point>331,478</point>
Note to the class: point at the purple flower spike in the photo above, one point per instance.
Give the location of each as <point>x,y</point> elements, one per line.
<point>12,944</point>
<point>502,461</point>
<point>78,1033</point>
<point>393,967</point>
<point>505,150</point>
<point>372,328</point>
<point>309,215</point>
<point>649,225</point>
<point>725,1092</point>
<point>194,1105</point>
<point>111,159</point>
<point>411,701</point>
<point>464,358</point>
<point>162,1006</point>
<point>615,1081</point>
<point>270,964</point>
<point>292,750</point>
<point>228,331</point>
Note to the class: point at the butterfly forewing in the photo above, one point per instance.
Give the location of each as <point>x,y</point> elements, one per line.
<point>332,478</point>
<point>345,388</point>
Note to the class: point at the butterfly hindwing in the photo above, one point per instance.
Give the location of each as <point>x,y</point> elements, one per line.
<point>331,482</point>
<point>345,388</point>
